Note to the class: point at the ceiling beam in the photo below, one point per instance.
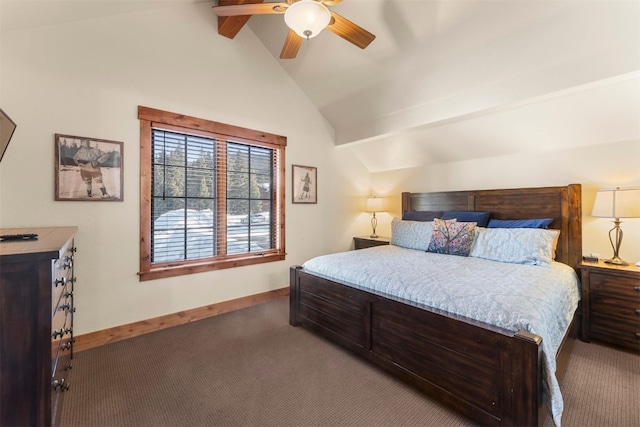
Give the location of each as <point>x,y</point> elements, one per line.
<point>229,26</point>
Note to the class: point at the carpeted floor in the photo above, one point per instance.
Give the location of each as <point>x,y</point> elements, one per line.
<point>251,368</point>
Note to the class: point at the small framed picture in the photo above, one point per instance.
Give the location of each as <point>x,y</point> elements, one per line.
<point>304,186</point>
<point>88,169</point>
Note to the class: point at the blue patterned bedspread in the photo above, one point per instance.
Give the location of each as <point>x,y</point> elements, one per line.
<point>539,300</point>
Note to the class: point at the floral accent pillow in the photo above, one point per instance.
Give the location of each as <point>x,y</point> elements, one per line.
<point>452,237</point>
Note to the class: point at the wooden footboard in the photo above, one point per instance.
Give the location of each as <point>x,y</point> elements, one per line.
<point>489,374</point>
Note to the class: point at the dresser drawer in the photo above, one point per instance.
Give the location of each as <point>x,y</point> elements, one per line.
<point>63,279</point>
<point>61,351</point>
<point>62,360</point>
<point>62,329</point>
<point>611,305</point>
<point>625,334</point>
<point>624,287</point>
<point>63,267</point>
<point>57,397</point>
<point>60,380</point>
<point>56,294</point>
<point>60,292</point>
<point>59,323</point>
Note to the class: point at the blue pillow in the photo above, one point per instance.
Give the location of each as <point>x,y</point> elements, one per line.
<point>520,223</point>
<point>420,215</point>
<point>480,218</point>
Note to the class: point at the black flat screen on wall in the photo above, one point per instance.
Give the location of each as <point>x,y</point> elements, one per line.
<point>7,127</point>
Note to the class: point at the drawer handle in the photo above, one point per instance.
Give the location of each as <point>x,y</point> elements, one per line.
<point>638,312</point>
<point>67,345</point>
<point>67,265</point>
<point>61,385</point>
<point>67,308</point>
<point>636,288</point>
<point>62,282</point>
<point>61,332</point>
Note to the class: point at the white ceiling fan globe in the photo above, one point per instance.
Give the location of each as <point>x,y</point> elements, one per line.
<point>307,18</point>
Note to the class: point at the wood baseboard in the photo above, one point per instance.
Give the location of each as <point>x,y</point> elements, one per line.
<point>131,330</point>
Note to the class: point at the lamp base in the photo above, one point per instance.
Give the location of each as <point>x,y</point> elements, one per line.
<point>616,261</point>
<point>374,224</point>
<point>615,237</point>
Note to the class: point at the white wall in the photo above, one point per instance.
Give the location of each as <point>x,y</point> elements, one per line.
<point>87,78</point>
<point>606,165</point>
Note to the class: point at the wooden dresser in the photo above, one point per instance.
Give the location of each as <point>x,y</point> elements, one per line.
<point>36,325</point>
<point>611,304</point>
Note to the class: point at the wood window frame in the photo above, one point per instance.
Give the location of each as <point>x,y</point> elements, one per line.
<point>150,117</point>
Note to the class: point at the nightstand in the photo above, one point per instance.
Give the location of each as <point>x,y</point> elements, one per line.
<point>611,304</point>
<point>367,242</point>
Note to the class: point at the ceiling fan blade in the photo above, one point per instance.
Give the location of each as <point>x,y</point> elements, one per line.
<point>349,31</point>
<point>291,45</point>
<point>230,23</point>
<point>250,9</point>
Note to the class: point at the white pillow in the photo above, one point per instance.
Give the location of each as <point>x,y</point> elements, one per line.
<point>411,234</point>
<point>531,246</point>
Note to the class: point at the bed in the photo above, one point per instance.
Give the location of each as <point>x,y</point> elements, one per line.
<point>488,373</point>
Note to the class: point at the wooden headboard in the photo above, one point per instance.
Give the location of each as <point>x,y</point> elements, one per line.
<point>563,204</point>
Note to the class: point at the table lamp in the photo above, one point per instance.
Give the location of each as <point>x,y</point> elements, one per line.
<point>616,204</point>
<point>374,204</point>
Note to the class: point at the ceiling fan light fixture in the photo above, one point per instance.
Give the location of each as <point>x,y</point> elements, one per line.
<point>307,18</point>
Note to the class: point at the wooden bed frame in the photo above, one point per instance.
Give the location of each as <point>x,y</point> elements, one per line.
<point>486,373</point>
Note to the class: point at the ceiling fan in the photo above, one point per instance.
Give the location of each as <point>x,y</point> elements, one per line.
<point>305,19</point>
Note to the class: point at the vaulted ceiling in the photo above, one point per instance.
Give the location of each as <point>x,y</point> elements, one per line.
<point>446,80</point>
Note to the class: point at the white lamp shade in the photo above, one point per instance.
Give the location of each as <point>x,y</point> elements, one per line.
<point>375,204</point>
<point>618,203</point>
<point>307,18</point>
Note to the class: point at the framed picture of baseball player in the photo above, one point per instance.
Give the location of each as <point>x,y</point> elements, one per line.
<point>88,169</point>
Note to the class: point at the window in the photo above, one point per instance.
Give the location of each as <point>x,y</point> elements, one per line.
<point>211,195</point>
